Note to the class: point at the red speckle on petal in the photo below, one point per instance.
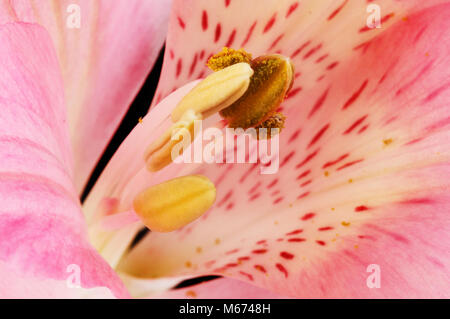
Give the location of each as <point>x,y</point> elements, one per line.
<point>304,174</point>
<point>325,228</point>
<point>278,200</point>
<point>332,65</point>
<point>273,183</point>
<point>320,242</point>
<point>230,252</point>
<point>308,216</point>
<point>303,195</point>
<point>293,92</point>
<point>287,158</point>
<point>312,51</point>
<point>281,268</point>
<point>294,136</point>
<point>227,3</point>
<point>382,20</point>
<point>193,64</point>
<point>275,42</point>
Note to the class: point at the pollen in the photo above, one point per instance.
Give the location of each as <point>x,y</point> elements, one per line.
<point>175,203</point>
<point>273,125</point>
<point>268,87</point>
<point>228,57</point>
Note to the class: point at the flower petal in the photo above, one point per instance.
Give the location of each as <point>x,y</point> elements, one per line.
<point>364,159</point>
<point>222,288</point>
<point>104,62</point>
<point>43,237</point>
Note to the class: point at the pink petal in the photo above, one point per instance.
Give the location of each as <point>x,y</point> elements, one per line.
<point>41,224</point>
<point>104,63</point>
<point>220,289</point>
<point>364,159</point>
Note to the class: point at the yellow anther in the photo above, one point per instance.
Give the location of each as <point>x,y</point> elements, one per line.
<point>228,57</point>
<point>272,78</point>
<point>217,91</point>
<point>173,204</point>
<point>159,153</point>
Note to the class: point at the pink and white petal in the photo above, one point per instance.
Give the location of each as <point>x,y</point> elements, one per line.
<point>364,167</point>
<point>104,62</point>
<point>222,288</point>
<point>43,232</point>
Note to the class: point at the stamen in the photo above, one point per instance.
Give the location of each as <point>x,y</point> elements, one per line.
<point>217,91</point>
<point>159,153</point>
<point>272,78</point>
<point>275,121</point>
<point>228,57</point>
<point>173,204</point>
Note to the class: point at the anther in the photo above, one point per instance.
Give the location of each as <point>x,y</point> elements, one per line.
<point>173,204</point>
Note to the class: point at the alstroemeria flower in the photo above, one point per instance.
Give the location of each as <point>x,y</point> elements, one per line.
<point>364,157</point>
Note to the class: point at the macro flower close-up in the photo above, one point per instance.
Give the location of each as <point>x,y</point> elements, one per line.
<point>344,191</point>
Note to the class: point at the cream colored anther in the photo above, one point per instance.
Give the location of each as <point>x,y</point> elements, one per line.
<point>173,204</point>
<point>159,154</point>
<point>216,92</point>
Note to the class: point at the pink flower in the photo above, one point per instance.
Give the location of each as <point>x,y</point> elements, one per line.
<point>364,159</point>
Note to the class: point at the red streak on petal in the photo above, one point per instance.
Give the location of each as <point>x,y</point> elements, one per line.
<point>249,34</point>
<point>254,197</point>
<point>355,125</point>
<point>331,163</point>
<point>179,67</point>
<point>273,183</point>
<point>319,103</point>
<point>246,275</point>
<point>260,268</point>
<point>296,240</point>
<point>243,258</point>
<point>312,51</point>
<point>275,42</point>
<point>349,164</point>
<point>323,57</point>
<point>293,92</point>
<point>318,135</point>
<point>181,23</point>
<point>335,12</point>
<point>307,159</point>
<point>291,9</point>
<point>361,208</point>
<point>232,251</point>
<point>363,129</point>
<point>259,251</point>
<point>294,136</point>
<point>281,268</point>
<point>218,32</point>
<point>286,255</point>
<point>355,95</point>
<point>227,3</point>
<point>204,20</point>
<point>300,49</point>
<point>270,23</point>
<point>304,174</point>
<point>325,228</point>
<point>278,200</point>
<point>382,20</point>
<point>320,242</point>
<point>308,216</point>
<point>226,197</point>
<point>294,232</point>
<point>287,158</point>
<point>231,38</point>
<point>332,65</point>
<point>262,241</point>
<point>193,64</point>
<point>303,195</point>
<point>306,183</point>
